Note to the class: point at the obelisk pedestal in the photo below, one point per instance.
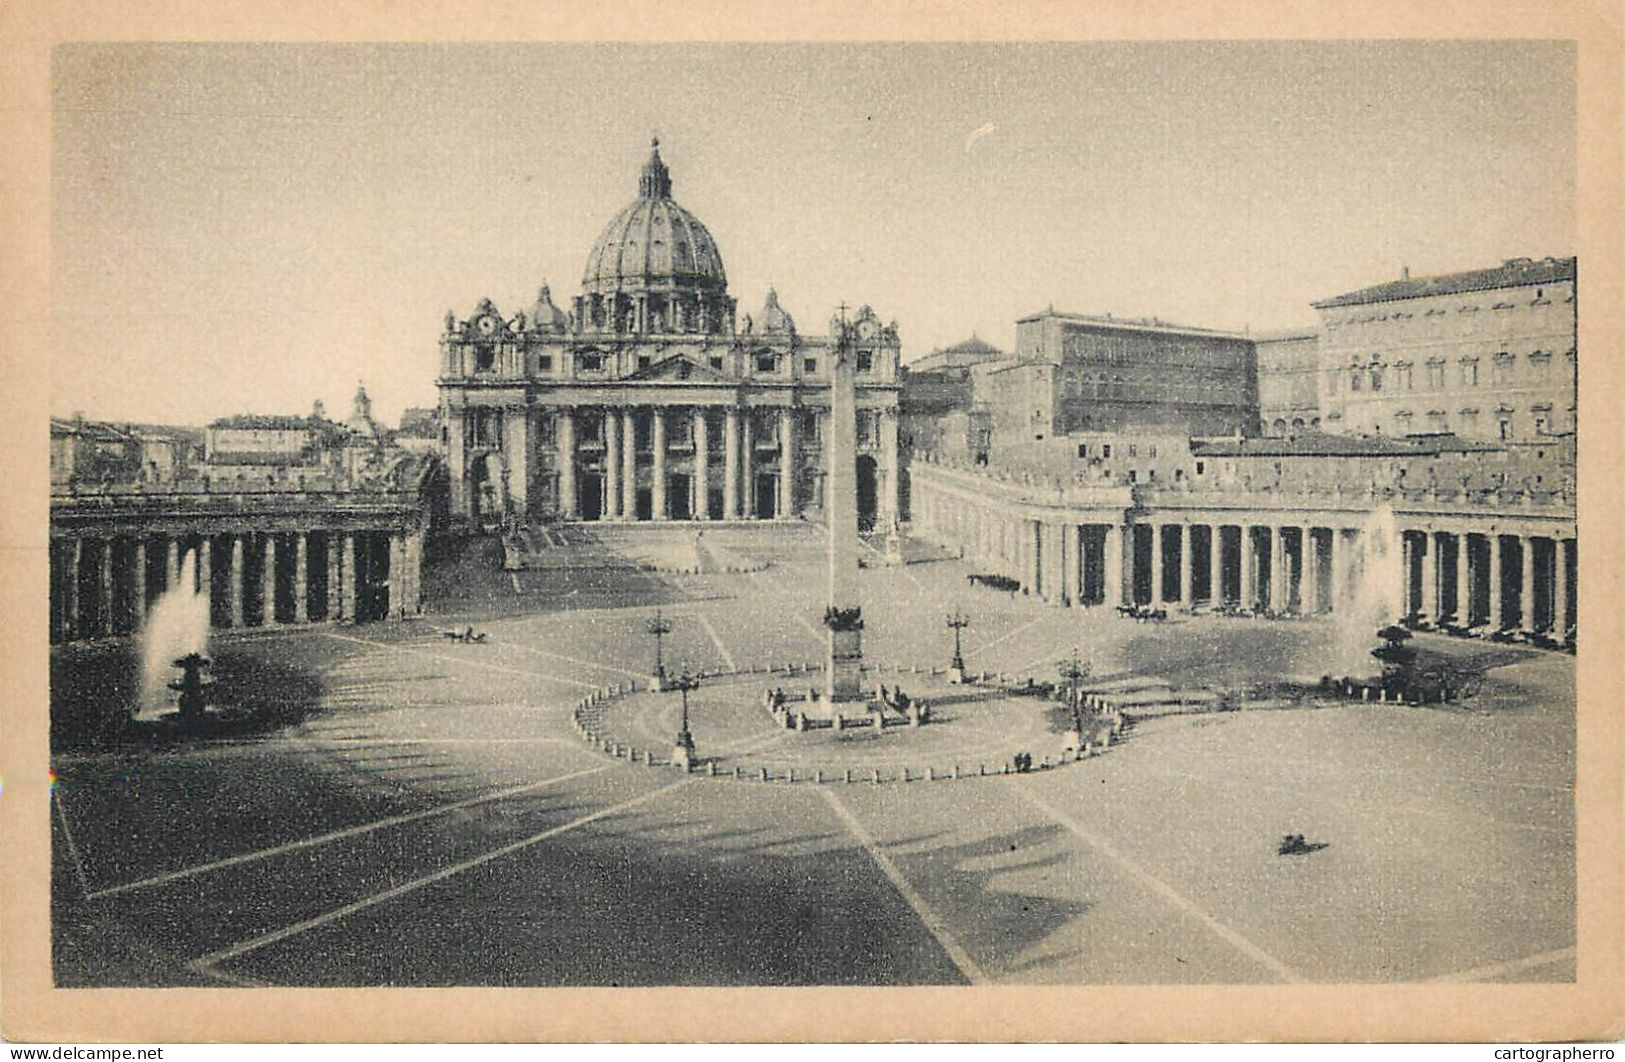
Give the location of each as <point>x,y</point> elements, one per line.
<point>844,616</point>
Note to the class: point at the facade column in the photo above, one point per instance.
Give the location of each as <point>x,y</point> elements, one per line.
<point>730,464</point>
<point>889,508</point>
<point>629,464</point>
<point>1309,561</point>
<point>105,587</point>
<point>1187,567</point>
<point>612,464</point>
<point>657,483</point>
<point>172,562</point>
<point>569,503</point>
<point>1496,615</point>
<point>1156,564</point>
<point>747,467</point>
<point>301,578</point>
<point>1464,581</point>
<point>1215,565</point>
<point>1280,581</point>
<point>1029,555</point>
<point>1249,597</point>
<point>138,603</point>
<point>787,465</point>
<point>516,449</point>
<point>353,585</point>
<point>1526,589</point>
<point>1111,565</point>
<point>1430,577</point>
<point>1560,587</point>
<point>237,580</point>
<point>702,463</point>
<point>270,580</point>
<point>336,549</point>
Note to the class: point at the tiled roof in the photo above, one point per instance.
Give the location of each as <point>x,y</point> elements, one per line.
<point>1131,324</point>
<point>1514,272</point>
<point>278,421</point>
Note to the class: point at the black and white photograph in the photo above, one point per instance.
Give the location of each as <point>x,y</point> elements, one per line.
<point>891,515</point>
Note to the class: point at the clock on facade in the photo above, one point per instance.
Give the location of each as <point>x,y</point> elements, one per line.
<point>487,325</point>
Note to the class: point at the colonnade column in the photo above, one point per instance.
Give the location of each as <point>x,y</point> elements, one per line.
<point>1156,565</point>
<point>1248,596</point>
<point>1526,591</point>
<point>702,463</point>
<point>70,607</point>
<point>1560,587</point>
<point>352,586</point>
<point>205,573</point>
<point>569,506</point>
<point>138,602</point>
<point>612,464</point>
<point>1071,563</point>
<point>1215,564</point>
<point>237,580</point>
<point>657,483</point>
<point>785,506</point>
<point>172,563</point>
<point>269,584</point>
<point>1430,577</point>
<point>1280,577</point>
<point>888,457</point>
<point>730,464</point>
<point>105,587</point>
<point>1464,580</point>
<point>1111,564</point>
<point>397,574</point>
<point>747,467</point>
<point>301,579</point>
<point>343,551</point>
<point>1187,567</point>
<point>1495,614</point>
<point>629,464</point>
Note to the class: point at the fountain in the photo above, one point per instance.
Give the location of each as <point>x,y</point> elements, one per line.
<point>193,688</point>
<point>177,628</point>
<point>1371,599</point>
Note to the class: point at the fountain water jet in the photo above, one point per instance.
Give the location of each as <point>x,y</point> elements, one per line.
<point>177,626</point>
<point>1372,598</point>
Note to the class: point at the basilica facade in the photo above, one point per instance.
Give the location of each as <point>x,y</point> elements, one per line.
<point>651,398</point>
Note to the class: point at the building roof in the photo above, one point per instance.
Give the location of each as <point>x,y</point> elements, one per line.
<point>273,421</point>
<point>653,242</point>
<point>1319,444</point>
<point>1132,324</point>
<point>1286,335</point>
<point>1514,272</point>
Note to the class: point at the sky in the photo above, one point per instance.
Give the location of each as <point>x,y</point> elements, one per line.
<point>249,228</point>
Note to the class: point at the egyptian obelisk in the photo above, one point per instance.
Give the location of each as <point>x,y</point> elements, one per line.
<point>843,617</point>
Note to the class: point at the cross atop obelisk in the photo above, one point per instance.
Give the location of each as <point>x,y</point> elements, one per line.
<point>843,616</point>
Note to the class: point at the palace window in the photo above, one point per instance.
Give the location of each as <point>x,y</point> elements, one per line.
<point>544,363</point>
<point>716,362</point>
<point>1106,451</point>
<point>643,362</point>
<point>809,366</point>
<point>1469,372</point>
<point>1376,378</point>
<point>1436,421</point>
<point>1436,373</point>
<point>593,362</point>
<point>766,362</point>
<point>1402,375</point>
<point>1501,368</point>
<point>866,361</point>
<point>1356,380</point>
<point>485,357</point>
<point>1540,364</point>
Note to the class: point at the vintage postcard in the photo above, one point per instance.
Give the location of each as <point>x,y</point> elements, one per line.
<point>1072,530</point>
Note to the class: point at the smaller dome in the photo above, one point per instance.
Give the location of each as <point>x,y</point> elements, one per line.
<point>774,319</point>
<point>546,317</point>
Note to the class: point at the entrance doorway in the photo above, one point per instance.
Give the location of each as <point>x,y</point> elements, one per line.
<point>767,493</point>
<point>591,495</point>
<point>677,497</point>
<point>868,491</point>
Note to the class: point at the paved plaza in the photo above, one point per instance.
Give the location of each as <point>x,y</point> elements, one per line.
<point>420,811</point>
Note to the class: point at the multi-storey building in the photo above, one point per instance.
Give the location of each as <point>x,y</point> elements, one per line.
<point>649,399</point>
<point>1079,373</point>
<point>1289,381</point>
<point>1486,354</point>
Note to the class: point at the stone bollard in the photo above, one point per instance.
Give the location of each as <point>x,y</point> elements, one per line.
<point>905,775</point>
<point>956,771</point>
<point>847,776</point>
<point>818,776</point>
<point>877,776</point>
<point>930,774</point>
<point>791,777</point>
<point>764,773</point>
<point>981,770</point>
<point>736,772</point>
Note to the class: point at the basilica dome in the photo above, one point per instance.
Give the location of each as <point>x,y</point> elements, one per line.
<point>654,244</point>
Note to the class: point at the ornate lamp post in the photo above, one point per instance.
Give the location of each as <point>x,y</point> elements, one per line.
<point>956,670</point>
<point>659,627</point>
<point>1072,674</point>
<point>682,755</point>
